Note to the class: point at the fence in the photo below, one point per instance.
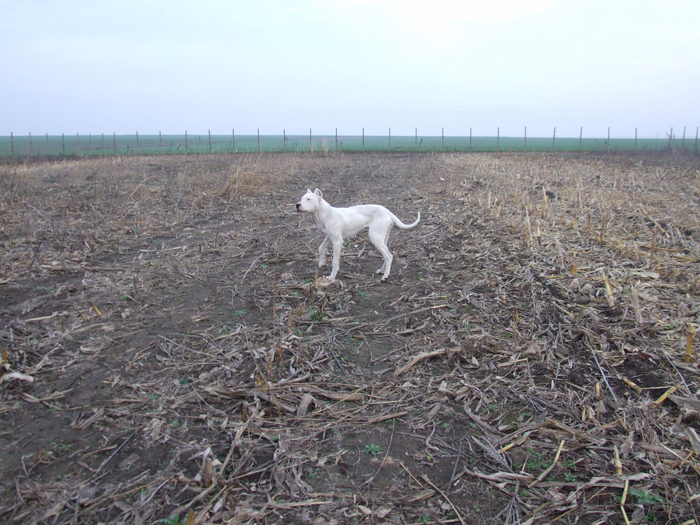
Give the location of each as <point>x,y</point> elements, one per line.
<point>62,146</point>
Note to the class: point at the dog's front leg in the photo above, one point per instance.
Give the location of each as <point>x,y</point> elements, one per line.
<point>322,252</point>
<point>337,246</point>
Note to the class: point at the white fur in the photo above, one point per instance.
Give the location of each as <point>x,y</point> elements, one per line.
<point>341,223</point>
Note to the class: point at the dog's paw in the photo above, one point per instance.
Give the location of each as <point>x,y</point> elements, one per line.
<point>325,281</point>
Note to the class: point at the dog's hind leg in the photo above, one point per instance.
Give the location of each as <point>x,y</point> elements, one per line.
<point>379,239</point>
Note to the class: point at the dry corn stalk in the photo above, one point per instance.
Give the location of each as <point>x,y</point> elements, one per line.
<point>561,254</point>
<point>634,386</point>
<point>418,358</point>
<point>601,231</point>
<point>689,344</point>
<point>665,395</point>
<point>625,491</point>
<point>635,306</point>
<point>617,462</point>
<point>95,309</point>
<point>545,202</point>
<point>528,226</point>
<point>546,471</point>
<point>208,472</point>
<point>608,290</point>
<point>624,515</point>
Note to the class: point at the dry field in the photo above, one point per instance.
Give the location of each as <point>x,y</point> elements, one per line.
<point>167,356</point>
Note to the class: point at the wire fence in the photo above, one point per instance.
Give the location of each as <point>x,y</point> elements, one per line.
<point>77,145</point>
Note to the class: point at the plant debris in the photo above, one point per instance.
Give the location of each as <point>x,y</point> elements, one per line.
<point>168,355</point>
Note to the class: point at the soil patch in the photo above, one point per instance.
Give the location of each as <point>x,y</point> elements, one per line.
<point>168,354</point>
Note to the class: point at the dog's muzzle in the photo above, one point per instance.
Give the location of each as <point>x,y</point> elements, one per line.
<point>299,207</point>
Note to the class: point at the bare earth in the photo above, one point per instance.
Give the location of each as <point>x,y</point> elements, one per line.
<point>168,357</point>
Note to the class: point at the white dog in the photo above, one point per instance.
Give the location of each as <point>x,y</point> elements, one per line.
<point>340,223</point>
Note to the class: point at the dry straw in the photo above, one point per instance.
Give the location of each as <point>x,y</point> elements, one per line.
<point>166,349</point>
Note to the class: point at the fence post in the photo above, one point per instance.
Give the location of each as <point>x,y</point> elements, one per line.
<point>137,140</point>
<point>336,138</point>
<point>608,141</point>
<point>209,132</point>
<point>103,144</point>
<point>683,139</point>
<point>284,140</point>
<point>63,144</point>
<point>696,138</point>
<point>442,139</point>
<point>233,136</point>
<point>258,140</point>
<point>311,145</point>
<point>389,138</point>
<point>525,139</point>
<point>580,138</point>
<point>554,135</point>
<point>185,142</point>
<point>363,139</point>
<point>12,144</point>
<point>498,138</point>
<point>31,146</point>
<point>635,139</point>
<point>415,141</point>
<point>470,138</point>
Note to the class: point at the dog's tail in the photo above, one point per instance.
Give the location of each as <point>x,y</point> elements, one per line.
<point>403,226</point>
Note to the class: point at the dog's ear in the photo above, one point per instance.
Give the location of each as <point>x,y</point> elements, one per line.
<point>318,193</point>
<point>308,190</point>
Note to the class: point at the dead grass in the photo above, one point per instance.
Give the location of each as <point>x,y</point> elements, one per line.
<point>533,358</point>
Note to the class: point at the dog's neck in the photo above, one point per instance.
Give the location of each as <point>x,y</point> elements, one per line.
<point>323,210</point>
<point>323,207</point>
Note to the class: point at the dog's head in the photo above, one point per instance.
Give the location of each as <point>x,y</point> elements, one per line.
<point>310,201</point>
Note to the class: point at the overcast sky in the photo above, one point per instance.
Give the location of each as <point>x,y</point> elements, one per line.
<point>103,66</point>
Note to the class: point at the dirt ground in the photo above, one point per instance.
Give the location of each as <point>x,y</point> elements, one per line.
<point>168,355</point>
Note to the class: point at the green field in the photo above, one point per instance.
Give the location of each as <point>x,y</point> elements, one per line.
<point>105,145</point>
